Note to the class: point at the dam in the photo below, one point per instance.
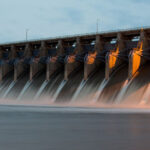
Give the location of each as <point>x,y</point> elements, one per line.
<point>108,68</point>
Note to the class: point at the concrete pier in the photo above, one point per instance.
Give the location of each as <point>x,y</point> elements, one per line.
<point>136,57</point>
<point>7,54</point>
<point>112,58</point>
<point>91,63</point>
<point>70,62</point>
<point>53,65</point>
<point>36,53</point>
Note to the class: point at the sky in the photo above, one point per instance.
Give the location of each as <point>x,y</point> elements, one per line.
<point>51,18</point>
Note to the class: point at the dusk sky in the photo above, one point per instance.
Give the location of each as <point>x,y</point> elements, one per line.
<point>48,18</point>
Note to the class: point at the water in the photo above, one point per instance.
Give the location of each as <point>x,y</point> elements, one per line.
<point>117,90</point>
<point>43,128</point>
<point>24,89</point>
<point>146,95</point>
<point>82,84</point>
<point>122,91</point>
<point>20,86</point>
<point>76,128</point>
<point>114,86</point>
<point>62,84</point>
<point>40,90</point>
<point>50,89</point>
<point>91,86</point>
<point>9,88</point>
<point>100,89</point>
<point>137,88</point>
<point>32,88</point>
<point>6,83</point>
<point>71,86</point>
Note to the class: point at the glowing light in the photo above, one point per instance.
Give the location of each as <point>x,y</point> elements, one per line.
<point>71,59</point>
<point>113,58</point>
<point>136,57</point>
<point>53,59</point>
<point>91,58</point>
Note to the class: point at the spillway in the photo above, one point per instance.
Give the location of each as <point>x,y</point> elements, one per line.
<point>137,89</point>
<point>105,68</point>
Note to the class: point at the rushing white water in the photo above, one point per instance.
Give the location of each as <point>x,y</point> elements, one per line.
<point>122,92</point>
<point>3,85</point>
<point>9,88</point>
<point>100,89</point>
<point>24,89</point>
<point>82,84</point>
<point>41,89</point>
<point>146,95</point>
<point>62,84</point>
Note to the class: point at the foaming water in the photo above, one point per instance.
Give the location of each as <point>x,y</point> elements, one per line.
<point>146,95</point>
<point>20,86</point>
<point>82,84</point>
<point>113,87</point>
<point>138,88</point>
<point>94,92</point>
<point>24,89</point>
<point>88,91</point>
<point>100,89</point>
<point>122,92</point>
<point>31,88</point>
<point>60,87</point>
<point>71,86</point>
<point>40,90</point>
<point>6,83</point>
<point>9,88</point>
<point>52,86</point>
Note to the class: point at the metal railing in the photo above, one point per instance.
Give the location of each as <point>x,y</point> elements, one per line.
<point>76,35</point>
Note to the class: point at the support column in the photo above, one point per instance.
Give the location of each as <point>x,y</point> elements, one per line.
<point>1,65</point>
<point>1,73</point>
<point>15,66</point>
<point>47,71</point>
<point>35,67</point>
<point>53,65</point>
<point>136,59</point>
<point>18,70</point>
<point>91,64</point>
<point>6,68</point>
<point>19,67</point>
<point>43,49</point>
<point>51,68</point>
<point>112,58</point>
<point>71,64</point>
<point>69,68</point>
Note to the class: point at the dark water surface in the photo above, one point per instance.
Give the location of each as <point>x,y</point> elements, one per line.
<point>44,128</point>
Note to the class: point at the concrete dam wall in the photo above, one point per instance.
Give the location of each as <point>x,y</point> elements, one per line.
<point>110,67</point>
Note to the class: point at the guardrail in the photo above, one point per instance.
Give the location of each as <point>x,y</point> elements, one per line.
<point>76,35</point>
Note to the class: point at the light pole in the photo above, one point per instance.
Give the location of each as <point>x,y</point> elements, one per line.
<point>27,30</point>
<point>97,26</point>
